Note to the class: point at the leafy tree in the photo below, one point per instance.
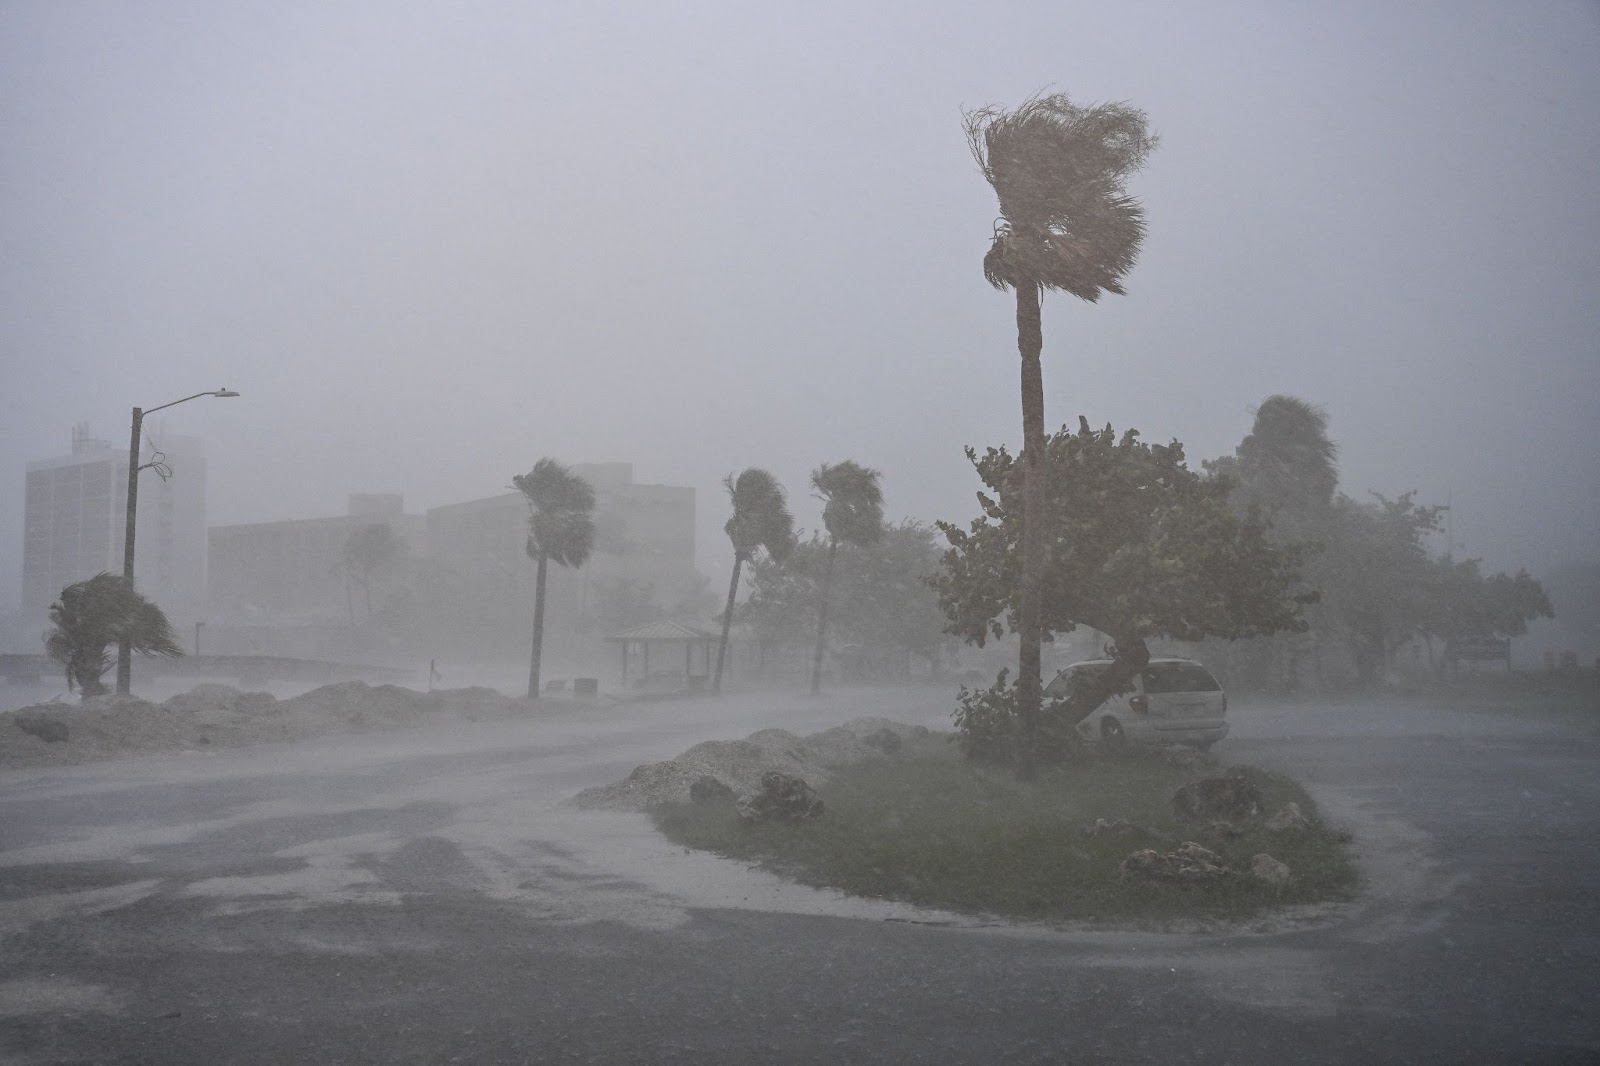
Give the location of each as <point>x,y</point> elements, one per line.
<point>369,549</point>
<point>881,598</point>
<point>560,528</point>
<point>91,616</point>
<point>1575,592</point>
<point>1376,578</point>
<point>1066,223</point>
<point>852,513</point>
<point>1465,604</point>
<point>1285,469</point>
<point>1286,466</point>
<point>1136,546</point>
<point>760,520</point>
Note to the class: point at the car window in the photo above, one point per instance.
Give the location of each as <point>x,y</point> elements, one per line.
<point>1072,677</point>
<point>1178,677</point>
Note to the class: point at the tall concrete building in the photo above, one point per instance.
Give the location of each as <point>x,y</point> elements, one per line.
<point>74,515</point>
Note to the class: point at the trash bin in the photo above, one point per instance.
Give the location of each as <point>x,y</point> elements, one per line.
<point>586,688</point>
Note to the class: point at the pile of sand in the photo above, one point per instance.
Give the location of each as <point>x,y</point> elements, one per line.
<point>218,716</point>
<point>739,764</point>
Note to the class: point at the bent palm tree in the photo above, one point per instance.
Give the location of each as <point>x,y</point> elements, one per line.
<point>560,527</point>
<point>91,616</point>
<point>1066,223</point>
<point>852,512</point>
<point>760,519</point>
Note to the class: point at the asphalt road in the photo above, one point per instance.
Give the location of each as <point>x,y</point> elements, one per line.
<point>424,898</point>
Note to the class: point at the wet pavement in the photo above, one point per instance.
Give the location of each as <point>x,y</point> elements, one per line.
<point>426,898</point>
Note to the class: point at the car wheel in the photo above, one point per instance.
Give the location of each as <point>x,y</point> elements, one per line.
<point>1111,732</point>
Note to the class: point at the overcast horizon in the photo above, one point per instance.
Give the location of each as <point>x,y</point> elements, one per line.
<point>430,244</point>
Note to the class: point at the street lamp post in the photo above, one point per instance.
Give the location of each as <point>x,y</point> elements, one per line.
<point>124,650</point>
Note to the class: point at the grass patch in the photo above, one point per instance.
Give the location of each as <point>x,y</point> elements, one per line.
<point>932,829</point>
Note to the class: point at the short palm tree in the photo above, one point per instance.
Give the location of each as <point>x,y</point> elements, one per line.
<point>91,616</point>
<point>560,528</point>
<point>852,513</point>
<point>1066,223</point>
<point>760,520</point>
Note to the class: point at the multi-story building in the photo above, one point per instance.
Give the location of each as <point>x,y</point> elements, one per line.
<point>74,521</point>
<point>466,587</point>
<point>295,571</point>
<point>644,548</point>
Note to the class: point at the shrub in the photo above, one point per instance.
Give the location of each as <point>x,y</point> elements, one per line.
<point>987,727</point>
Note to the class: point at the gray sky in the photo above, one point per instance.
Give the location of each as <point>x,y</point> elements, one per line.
<point>431,243</point>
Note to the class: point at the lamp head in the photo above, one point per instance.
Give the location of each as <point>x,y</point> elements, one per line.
<point>224,392</point>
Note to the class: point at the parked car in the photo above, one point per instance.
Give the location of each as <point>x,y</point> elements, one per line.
<point>1174,701</point>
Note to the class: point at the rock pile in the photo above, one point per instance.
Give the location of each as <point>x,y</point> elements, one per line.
<point>1230,797</point>
<point>216,716</point>
<point>1189,864</point>
<point>741,764</point>
<point>782,798</point>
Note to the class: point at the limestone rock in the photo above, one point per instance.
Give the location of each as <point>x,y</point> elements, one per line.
<point>1264,867</point>
<point>1113,827</point>
<point>782,798</point>
<point>1189,864</point>
<point>1288,817</point>
<point>707,791</point>
<point>47,728</point>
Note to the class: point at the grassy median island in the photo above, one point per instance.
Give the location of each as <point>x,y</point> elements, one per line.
<point>932,829</point>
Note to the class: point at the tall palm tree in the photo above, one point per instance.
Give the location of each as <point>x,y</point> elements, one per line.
<point>91,616</point>
<point>560,528</point>
<point>1066,223</point>
<point>760,520</point>
<point>852,513</point>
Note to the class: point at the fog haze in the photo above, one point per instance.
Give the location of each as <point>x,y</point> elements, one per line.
<point>430,244</point>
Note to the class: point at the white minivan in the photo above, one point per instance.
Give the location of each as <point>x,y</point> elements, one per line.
<point>1174,701</point>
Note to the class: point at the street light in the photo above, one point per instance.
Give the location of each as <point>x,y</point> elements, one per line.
<point>124,649</point>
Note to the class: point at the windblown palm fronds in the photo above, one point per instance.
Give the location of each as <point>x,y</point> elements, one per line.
<point>91,616</point>
<point>1058,169</point>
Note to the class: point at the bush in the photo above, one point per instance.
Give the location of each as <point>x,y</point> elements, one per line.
<point>988,729</point>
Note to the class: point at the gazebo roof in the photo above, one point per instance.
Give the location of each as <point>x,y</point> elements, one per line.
<point>665,630</point>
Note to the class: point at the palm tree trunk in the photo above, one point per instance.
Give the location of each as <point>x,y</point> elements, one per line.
<point>1030,341</point>
<point>822,620</point>
<point>538,628</point>
<point>727,622</point>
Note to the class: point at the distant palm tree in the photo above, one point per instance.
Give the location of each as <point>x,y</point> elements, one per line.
<point>368,550</point>
<point>1287,464</point>
<point>1066,223</point>
<point>760,520</point>
<point>852,513</point>
<point>92,615</point>
<point>560,527</point>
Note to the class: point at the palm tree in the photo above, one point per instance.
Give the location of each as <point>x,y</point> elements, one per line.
<point>852,512</point>
<point>760,519</point>
<point>368,549</point>
<point>1287,464</point>
<point>1066,223</point>
<point>560,527</point>
<point>92,615</point>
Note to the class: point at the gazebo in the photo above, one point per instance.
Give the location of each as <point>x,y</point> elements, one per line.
<point>670,641</point>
